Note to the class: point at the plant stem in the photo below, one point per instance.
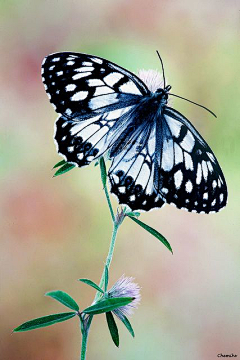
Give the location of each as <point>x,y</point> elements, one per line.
<point>109,257</point>
<point>85,333</point>
<point>109,203</point>
<point>116,224</point>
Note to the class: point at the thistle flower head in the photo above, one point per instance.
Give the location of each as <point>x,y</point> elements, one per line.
<point>125,287</point>
<point>152,78</point>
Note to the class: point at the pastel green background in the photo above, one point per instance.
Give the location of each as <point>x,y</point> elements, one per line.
<point>54,231</point>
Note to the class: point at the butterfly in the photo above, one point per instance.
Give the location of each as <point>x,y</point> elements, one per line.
<point>157,156</point>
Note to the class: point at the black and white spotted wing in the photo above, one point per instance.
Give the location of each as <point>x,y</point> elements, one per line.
<point>173,165</point>
<point>157,156</point>
<point>91,94</point>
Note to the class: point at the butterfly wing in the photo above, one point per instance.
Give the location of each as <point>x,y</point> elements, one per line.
<point>91,94</point>
<point>131,174</point>
<point>189,175</point>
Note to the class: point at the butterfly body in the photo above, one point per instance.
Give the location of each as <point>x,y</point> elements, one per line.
<point>157,156</point>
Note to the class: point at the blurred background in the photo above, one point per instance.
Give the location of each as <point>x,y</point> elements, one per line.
<point>56,230</point>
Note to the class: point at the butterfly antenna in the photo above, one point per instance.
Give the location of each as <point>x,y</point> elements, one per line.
<point>194,104</point>
<point>164,81</point>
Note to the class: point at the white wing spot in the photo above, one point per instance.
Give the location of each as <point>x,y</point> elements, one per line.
<point>210,167</point>
<point>205,196</point>
<point>188,142</point>
<point>57,91</point>
<point>102,90</point>
<point>99,61</point>
<point>121,189</point>
<point>199,174</point>
<point>178,178</point>
<point>178,154</point>
<point>70,87</point>
<point>188,161</point>
<point>132,198</point>
<point>80,156</point>
<point>68,111</point>
<point>211,157</point>
<point>56,59</point>
<point>59,73</point>
<point>205,170</point>
<point>64,138</point>
<point>130,88</point>
<point>79,76</point>
<point>112,78</point>
<point>53,83</point>
<point>64,124</point>
<point>213,202</point>
<point>167,158</point>
<point>195,202</point>
<point>175,126</point>
<point>214,184</point>
<point>188,186</point>
<point>84,69</point>
<point>70,62</point>
<point>87,63</point>
<point>219,183</point>
<point>70,149</point>
<point>95,82</point>
<point>164,190</point>
<point>81,95</point>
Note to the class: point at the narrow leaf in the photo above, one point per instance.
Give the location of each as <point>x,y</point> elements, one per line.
<point>92,284</point>
<point>65,168</point>
<point>63,298</point>
<point>105,278</point>
<point>60,163</point>
<point>44,321</point>
<point>103,171</point>
<point>134,213</point>
<point>112,328</point>
<point>153,232</point>
<point>126,322</point>
<point>108,305</point>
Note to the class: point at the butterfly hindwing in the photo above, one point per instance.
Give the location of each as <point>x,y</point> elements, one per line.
<point>131,174</point>
<point>190,176</point>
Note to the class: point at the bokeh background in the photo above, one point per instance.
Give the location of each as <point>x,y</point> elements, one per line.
<point>54,231</point>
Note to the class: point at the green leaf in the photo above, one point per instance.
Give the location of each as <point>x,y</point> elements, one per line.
<point>105,278</point>
<point>108,305</point>
<point>134,213</point>
<point>92,284</point>
<point>60,163</point>
<point>63,298</point>
<point>44,321</point>
<point>112,328</point>
<point>126,322</point>
<point>153,232</point>
<point>103,171</point>
<point>65,168</point>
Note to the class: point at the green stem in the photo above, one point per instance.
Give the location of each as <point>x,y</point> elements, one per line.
<point>109,203</point>
<point>85,333</point>
<point>116,224</point>
<point>109,257</point>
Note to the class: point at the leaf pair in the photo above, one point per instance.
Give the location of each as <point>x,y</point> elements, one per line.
<point>48,320</point>
<point>65,167</point>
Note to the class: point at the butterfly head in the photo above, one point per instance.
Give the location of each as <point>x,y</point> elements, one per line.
<point>163,93</point>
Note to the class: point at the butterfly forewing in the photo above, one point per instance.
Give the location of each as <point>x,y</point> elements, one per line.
<point>79,84</point>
